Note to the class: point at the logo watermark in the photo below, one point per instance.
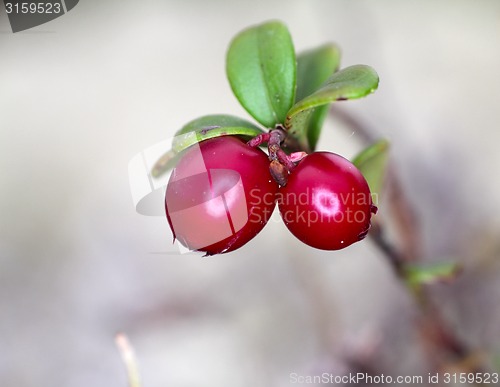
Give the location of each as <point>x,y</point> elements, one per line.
<point>227,204</point>
<point>24,15</point>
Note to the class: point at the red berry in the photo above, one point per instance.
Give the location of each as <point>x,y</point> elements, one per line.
<point>220,195</point>
<point>327,202</point>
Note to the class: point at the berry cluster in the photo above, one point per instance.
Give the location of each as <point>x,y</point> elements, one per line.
<point>223,191</point>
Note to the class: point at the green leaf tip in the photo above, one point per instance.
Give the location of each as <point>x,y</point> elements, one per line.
<point>372,162</point>
<point>261,69</point>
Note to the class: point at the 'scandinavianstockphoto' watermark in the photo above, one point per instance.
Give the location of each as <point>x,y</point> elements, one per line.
<point>328,203</point>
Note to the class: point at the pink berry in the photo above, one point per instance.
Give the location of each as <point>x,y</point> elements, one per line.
<point>327,202</point>
<point>220,195</point>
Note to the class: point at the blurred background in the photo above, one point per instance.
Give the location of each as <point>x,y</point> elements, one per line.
<point>82,94</point>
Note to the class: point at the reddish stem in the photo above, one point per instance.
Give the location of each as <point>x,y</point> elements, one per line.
<point>281,163</point>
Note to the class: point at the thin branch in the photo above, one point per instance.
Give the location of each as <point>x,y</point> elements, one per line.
<point>432,324</point>
<point>400,207</point>
<point>377,236</point>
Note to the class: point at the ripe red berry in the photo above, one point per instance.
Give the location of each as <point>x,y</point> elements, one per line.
<point>327,202</point>
<point>220,195</point>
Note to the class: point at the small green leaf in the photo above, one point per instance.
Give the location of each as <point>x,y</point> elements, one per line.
<point>372,162</point>
<point>201,129</point>
<point>261,69</point>
<point>417,275</point>
<point>350,83</point>
<point>313,69</point>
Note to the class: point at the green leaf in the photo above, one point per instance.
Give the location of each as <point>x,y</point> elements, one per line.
<point>261,69</point>
<point>201,129</point>
<point>212,126</point>
<point>372,162</point>
<point>313,69</point>
<point>350,83</point>
<point>417,275</point>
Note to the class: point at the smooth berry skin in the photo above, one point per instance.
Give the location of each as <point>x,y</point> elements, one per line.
<point>220,195</point>
<point>327,202</point>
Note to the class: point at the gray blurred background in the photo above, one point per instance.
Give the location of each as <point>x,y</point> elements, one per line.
<point>81,95</point>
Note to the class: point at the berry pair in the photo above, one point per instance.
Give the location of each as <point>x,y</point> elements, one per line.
<point>221,194</point>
